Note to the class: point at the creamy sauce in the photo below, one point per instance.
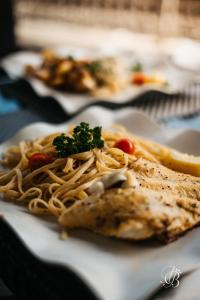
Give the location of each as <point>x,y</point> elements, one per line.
<point>126,178</point>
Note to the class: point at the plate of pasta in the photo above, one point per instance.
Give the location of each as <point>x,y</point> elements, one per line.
<point>94,189</point>
<point>79,77</point>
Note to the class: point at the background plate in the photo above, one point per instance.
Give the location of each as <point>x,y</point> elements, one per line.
<point>14,65</point>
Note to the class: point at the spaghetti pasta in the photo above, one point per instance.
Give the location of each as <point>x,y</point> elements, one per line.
<point>52,187</point>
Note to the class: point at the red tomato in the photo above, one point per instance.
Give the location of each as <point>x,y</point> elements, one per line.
<point>139,79</point>
<point>125,145</point>
<point>38,160</point>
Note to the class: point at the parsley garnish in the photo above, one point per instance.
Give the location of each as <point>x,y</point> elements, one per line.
<point>83,139</point>
<point>95,67</point>
<point>137,67</point>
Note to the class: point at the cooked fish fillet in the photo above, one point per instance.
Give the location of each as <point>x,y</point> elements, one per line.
<point>164,205</point>
<point>156,177</point>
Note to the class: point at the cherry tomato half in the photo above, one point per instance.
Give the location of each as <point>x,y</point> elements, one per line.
<point>125,145</point>
<point>38,160</point>
<point>139,79</point>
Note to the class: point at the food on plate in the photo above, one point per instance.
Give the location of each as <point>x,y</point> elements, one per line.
<point>97,77</point>
<point>137,67</point>
<point>100,77</point>
<point>140,77</point>
<point>107,181</point>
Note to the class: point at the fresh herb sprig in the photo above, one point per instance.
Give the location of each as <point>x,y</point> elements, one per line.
<point>83,139</point>
<point>95,67</point>
<point>137,67</point>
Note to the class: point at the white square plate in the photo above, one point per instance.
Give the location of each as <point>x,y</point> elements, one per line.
<point>114,269</point>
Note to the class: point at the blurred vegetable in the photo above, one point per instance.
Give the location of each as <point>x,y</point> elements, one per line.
<point>137,67</point>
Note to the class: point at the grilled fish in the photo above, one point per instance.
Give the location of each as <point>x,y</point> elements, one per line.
<point>164,204</point>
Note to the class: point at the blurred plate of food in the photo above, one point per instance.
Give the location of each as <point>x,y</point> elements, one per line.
<point>78,77</point>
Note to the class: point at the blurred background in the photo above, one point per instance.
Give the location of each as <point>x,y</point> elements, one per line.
<point>165,31</point>
<point>91,22</point>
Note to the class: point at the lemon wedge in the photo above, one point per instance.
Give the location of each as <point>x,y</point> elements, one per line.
<point>182,162</point>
